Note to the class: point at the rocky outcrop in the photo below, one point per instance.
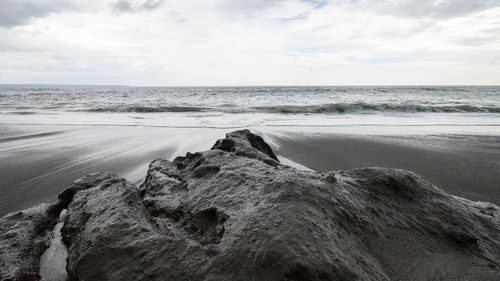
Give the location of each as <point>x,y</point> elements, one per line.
<point>25,235</point>
<point>235,213</point>
<point>246,144</point>
<point>23,239</point>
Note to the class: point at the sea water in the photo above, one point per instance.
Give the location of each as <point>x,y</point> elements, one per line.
<point>235,107</point>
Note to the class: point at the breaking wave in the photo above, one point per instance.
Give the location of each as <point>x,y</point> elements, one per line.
<point>366,107</point>
<point>150,109</point>
<point>333,108</point>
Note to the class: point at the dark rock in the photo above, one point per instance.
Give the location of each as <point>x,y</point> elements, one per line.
<point>245,143</point>
<point>23,239</point>
<point>25,235</point>
<point>235,213</point>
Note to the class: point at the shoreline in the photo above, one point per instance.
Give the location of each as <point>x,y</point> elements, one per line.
<point>37,162</point>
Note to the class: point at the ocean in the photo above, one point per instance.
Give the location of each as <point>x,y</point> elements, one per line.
<point>234,107</point>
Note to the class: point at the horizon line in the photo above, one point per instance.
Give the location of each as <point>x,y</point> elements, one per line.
<point>235,86</point>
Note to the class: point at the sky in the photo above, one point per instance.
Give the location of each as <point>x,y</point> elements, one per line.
<point>250,42</point>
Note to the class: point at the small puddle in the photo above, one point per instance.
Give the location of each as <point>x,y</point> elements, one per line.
<point>53,260</point>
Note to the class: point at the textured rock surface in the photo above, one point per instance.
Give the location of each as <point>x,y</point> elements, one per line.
<point>23,239</point>
<point>236,213</point>
<point>25,235</point>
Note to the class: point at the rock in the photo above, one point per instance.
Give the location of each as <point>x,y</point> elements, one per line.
<point>235,213</point>
<point>25,235</point>
<point>23,239</point>
<point>246,144</point>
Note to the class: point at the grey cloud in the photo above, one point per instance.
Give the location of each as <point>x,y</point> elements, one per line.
<point>402,8</point>
<point>131,6</point>
<point>428,8</point>
<point>437,9</point>
<point>476,41</point>
<point>18,12</point>
<point>247,7</point>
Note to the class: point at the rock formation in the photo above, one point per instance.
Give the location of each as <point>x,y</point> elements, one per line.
<point>235,213</point>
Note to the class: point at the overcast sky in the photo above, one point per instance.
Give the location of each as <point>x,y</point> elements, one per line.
<point>250,42</point>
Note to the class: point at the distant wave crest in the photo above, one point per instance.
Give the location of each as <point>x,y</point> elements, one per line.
<point>334,108</point>
<point>366,107</point>
<point>150,109</point>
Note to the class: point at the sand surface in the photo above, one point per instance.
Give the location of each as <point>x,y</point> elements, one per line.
<point>37,162</point>
<point>463,165</point>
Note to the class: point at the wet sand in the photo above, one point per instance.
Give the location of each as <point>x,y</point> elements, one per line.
<point>463,165</point>
<point>37,162</point>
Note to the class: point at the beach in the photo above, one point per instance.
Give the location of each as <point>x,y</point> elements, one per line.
<point>53,135</point>
<point>38,161</point>
<point>467,166</point>
<point>236,207</point>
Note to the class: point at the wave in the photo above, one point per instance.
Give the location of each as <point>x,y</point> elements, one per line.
<point>333,108</point>
<point>150,109</point>
<point>23,112</point>
<point>366,107</point>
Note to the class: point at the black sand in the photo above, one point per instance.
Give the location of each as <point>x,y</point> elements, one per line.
<point>463,165</point>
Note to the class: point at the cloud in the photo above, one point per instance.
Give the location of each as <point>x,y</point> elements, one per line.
<point>18,12</point>
<point>247,8</point>
<point>426,8</point>
<point>210,42</point>
<point>318,4</point>
<point>132,6</point>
